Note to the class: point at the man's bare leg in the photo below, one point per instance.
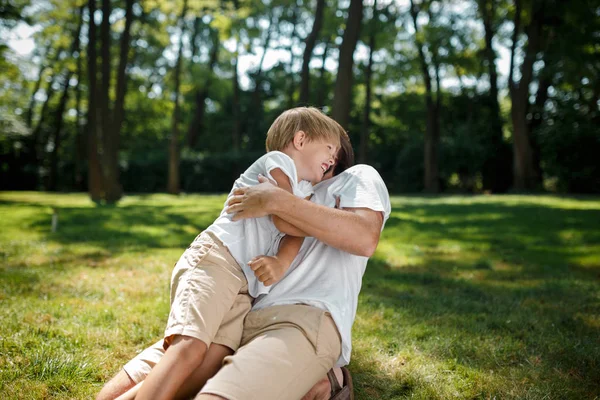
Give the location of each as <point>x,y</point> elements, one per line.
<point>183,356</point>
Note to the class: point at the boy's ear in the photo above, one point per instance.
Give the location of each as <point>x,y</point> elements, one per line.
<point>299,140</point>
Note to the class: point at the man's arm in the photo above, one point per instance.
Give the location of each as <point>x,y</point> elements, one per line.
<point>355,231</point>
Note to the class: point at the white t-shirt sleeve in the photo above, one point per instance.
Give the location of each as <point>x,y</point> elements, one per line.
<point>277,159</point>
<point>365,189</point>
<point>303,189</point>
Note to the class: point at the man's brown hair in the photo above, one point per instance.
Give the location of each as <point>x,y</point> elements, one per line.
<point>345,157</point>
<point>312,121</point>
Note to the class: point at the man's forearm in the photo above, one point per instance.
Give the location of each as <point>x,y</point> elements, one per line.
<point>356,232</point>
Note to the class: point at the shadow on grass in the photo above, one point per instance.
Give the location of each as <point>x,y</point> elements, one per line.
<point>536,314</point>
<point>118,229</point>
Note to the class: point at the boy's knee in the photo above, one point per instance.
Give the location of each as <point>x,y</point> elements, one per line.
<point>118,385</point>
<point>187,346</point>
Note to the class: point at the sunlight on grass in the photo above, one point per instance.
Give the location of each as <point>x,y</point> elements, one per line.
<point>470,297</point>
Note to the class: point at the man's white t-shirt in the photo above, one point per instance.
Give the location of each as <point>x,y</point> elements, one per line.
<point>253,237</point>
<point>323,276</point>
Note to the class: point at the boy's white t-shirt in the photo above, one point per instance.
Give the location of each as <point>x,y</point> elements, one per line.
<point>323,276</point>
<point>253,237</point>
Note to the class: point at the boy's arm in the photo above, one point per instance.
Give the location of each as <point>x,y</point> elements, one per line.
<point>283,181</point>
<point>355,231</point>
<point>269,270</point>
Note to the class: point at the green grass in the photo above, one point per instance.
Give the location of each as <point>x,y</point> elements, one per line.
<point>466,297</point>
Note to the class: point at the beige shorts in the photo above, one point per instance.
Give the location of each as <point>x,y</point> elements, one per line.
<point>205,285</point>
<point>285,350</point>
<point>229,334</point>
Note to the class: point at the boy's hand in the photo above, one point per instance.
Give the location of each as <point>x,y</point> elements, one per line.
<point>267,269</point>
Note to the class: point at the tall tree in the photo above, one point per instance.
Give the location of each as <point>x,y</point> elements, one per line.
<point>95,181</point>
<point>311,41</point>
<point>432,128</point>
<point>364,133</point>
<point>174,151</point>
<point>524,172</point>
<point>196,126</point>
<point>343,84</point>
<point>495,166</point>
<point>58,121</point>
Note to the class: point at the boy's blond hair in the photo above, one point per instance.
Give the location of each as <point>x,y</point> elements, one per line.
<point>310,120</point>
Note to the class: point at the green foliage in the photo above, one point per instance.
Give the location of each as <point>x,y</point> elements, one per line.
<point>452,37</point>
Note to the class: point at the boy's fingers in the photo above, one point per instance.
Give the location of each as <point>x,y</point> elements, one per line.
<point>269,282</point>
<point>255,265</point>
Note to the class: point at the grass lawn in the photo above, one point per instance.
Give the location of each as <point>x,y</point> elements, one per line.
<point>466,297</point>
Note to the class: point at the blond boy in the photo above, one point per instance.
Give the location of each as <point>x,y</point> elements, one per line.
<point>225,267</point>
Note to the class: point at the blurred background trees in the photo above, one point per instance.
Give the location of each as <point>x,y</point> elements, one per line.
<point>117,96</point>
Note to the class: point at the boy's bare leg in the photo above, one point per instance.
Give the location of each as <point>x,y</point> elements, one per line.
<point>183,356</point>
<point>118,385</point>
<point>131,393</point>
<point>123,385</point>
<point>210,366</point>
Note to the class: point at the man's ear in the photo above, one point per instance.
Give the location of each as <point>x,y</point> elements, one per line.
<point>299,140</point>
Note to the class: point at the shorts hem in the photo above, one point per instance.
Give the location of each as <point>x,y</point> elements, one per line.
<point>228,391</point>
<point>225,341</point>
<point>134,373</point>
<point>191,332</point>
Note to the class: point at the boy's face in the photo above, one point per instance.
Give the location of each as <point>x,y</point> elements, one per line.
<point>315,159</point>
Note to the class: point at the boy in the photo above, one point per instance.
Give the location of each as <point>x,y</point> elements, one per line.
<point>226,262</point>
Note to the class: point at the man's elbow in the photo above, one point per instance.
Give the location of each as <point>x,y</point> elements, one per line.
<point>369,246</point>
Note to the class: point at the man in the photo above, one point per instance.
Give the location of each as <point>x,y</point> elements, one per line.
<point>289,338</point>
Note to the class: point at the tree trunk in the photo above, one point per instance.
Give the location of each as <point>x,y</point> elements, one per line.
<point>114,191</point>
<point>343,84</point>
<point>496,165</point>
<point>257,116</point>
<point>311,41</point>
<point>174,155</point>
<point>38,84</point>
<point>236,132</point>
<point>291,89</point>
<point>364,133</point>
<point>79,139</point>
<point>524,172</point>
<point>39,127</point>
<point>537,114</point>
<point>53,178</point>
<point>320,101</point>
<point>95,181</point>
<point>197,124</point>
<point>431,178</point>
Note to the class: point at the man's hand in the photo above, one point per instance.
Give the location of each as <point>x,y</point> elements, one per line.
<point>255,201</point>
<point>267,269</point>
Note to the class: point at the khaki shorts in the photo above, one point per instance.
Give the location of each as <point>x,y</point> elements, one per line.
<point>285,350</point>
<point>205,285</point>
<point>229,334</point>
